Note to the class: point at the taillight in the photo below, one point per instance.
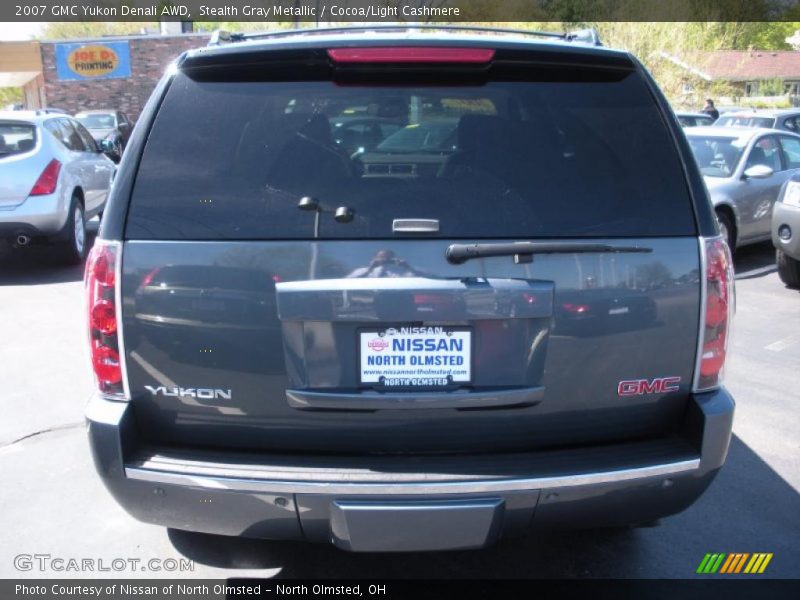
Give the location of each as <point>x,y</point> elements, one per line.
<point>411,54</point>
<point>101,287</point>
<point>48,180</point>
<point>104,317</point>
<point>717,312</point>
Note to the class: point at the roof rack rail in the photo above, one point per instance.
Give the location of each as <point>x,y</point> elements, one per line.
<point>583,36</point>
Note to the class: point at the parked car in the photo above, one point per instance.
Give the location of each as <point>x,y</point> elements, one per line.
<point>692,119</point>
<point>744,169</point>
<point>53,177</point>
<point>109,126</point>
<point>786,232</point>
<point>51,110</point>
<point>417,381</point>
<point>44,111</point>
<point>785,119</point>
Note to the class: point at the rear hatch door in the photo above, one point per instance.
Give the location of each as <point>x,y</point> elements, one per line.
<point>500,273</point>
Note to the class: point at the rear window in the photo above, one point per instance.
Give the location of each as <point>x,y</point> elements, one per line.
<point>571,156</point>
<point>717,156</point>
<point>16,138</point>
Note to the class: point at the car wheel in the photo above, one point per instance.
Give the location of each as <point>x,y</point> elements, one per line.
<point>726,229</point>
<point>75,246</point>
<point>788,269</point>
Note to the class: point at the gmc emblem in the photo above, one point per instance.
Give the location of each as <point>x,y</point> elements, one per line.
<point>637,387</point>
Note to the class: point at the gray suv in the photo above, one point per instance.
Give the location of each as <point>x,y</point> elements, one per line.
<point>515,319</point>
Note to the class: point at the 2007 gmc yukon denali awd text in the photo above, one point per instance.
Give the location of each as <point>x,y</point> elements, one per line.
<point>407,292</point>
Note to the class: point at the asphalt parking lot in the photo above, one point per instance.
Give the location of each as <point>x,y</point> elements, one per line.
<point>53,504</point>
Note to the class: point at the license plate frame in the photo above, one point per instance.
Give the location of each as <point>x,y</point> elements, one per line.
<point>391,382</point>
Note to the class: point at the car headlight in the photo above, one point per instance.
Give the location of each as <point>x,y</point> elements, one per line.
<point>791,195</point>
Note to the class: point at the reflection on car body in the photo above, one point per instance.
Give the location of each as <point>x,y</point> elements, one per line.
<point>597,311</point>
<point>198,314</point>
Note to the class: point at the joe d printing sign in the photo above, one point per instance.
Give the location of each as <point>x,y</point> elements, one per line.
<point>81,61</point>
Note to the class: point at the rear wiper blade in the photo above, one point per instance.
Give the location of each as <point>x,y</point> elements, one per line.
<point>523,251</point>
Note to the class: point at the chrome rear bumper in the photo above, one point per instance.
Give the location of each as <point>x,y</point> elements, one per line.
<point>412,501</point>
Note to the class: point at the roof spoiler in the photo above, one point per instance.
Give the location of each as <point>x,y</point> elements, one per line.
<point>582,36</point>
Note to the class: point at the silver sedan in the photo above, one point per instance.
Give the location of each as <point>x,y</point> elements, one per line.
<point>53,177</point>
<point>744,169</point>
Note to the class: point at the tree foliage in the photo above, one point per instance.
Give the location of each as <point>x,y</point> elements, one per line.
<point>91,29</point>
<point>666,47</point>
<point>10,96</point>
<point>771,87</point>
<point>758,36</point>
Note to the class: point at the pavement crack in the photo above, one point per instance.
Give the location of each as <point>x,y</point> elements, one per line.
<point>53,429</point>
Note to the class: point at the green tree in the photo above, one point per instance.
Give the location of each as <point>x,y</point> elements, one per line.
<point>771,87</point>
<point>92,29</point>
<point>757,35</point>
<point>10,95</point>
<point>243,26</point>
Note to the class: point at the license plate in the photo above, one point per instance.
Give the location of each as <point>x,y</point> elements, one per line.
<point>415,356</point>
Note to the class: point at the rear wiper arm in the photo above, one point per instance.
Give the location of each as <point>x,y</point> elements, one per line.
<point>523,251</point>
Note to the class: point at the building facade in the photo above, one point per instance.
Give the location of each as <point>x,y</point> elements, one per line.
<point>742,75</point>
<point>21,67</point>
<point>118,73</point>
<point>110,72</point>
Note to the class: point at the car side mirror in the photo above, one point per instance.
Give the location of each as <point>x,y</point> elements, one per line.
<point>758,172</point>
<point>107,146</point>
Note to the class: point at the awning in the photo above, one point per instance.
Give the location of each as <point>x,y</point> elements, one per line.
<point>16,78</point>
<point>20,63</point>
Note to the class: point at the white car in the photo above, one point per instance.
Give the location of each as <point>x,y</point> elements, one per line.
<point>53,178</point>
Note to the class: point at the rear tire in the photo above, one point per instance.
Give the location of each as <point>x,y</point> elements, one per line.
<point>74,249</point>
<point>788,269</point>
<point>727,229</point>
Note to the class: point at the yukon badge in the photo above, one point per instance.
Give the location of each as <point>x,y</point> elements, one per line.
<point>198,393</point>
<point>637,387</point>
